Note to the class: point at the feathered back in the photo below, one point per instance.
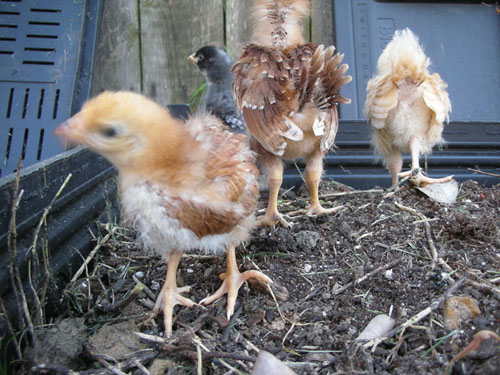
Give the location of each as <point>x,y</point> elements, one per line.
<point>278,23</point>
<point>403,57</point>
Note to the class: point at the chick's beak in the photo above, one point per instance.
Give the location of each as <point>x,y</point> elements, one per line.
<point>67,131</point>
<point>193,58</point>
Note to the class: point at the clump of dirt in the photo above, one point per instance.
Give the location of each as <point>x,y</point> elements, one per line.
<point>332,274</point>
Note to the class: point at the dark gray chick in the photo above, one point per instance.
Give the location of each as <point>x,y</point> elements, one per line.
<point>215,65</point>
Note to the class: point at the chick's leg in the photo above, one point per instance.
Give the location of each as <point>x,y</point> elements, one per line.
<point>415,173</point>
<point>232,282</point>
<point>314,169</point>
<point>394,163</point>
<point>274,167</point>
<point>170,295</point>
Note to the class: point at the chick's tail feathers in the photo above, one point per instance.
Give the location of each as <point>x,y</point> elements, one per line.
<point>326,77</point>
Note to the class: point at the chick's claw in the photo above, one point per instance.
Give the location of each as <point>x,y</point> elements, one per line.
<point>316,210</point>
<point>167,299</point>
<point>419,179</point>
<point>271,219</point>
<point>232,281</point>
<point>231,286</point>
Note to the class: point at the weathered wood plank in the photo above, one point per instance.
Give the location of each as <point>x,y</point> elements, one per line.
<point>238,26</point>
<point>322,27</point>
<point>171,30</point>
<point>117,62</point>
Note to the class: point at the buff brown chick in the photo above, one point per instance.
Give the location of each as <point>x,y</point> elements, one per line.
<point>288,92</point>
<point>185,185</point>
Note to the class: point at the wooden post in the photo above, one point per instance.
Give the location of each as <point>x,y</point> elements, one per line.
<point>117,61</point>
<point>239,26</point>
<point>322,26</point>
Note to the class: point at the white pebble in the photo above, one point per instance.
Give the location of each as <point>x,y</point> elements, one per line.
<point>445,276</point>
<point>155,285</point>
<point>84,285</point>
<point>139,274</point>
<point>189,270</point>
<point>389,275</point>
<point>307,268</point>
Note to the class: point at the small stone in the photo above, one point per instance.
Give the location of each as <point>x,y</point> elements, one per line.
<point>278,325</point>
<point>155,285</point>
<point>307,268</point>
<point>139,274</point>
<point>389,275</point>
<point>457,310</point>
<point>307,239</point>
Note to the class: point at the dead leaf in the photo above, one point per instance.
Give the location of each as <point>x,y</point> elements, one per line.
<point>442,193</point>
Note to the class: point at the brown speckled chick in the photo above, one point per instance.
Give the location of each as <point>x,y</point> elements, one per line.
<point>288,91</point>
<point>185,186</point>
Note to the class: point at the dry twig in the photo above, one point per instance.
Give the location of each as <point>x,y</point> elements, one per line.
<point>24,316</point>
<point>40,301</point>
<point>91,255</point>
<point>485,173</point>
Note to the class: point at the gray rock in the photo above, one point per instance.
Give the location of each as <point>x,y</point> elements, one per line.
<point>307,239</point>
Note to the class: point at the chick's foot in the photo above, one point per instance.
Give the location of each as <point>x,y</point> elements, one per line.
<point>316,210</point>
<point>419,179</point>
<point>169,297</point>
<point>233,280</point>
<point>270,219</point>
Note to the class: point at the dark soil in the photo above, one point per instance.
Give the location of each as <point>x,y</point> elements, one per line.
<point>313,323</point>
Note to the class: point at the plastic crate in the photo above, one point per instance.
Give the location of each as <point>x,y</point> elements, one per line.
<point>462,41</point>
<point>46,52</point>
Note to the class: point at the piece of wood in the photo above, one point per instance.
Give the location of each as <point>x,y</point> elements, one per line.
<point>322,26</point>
<point>239,25</point>
<point>117,62</point>
<point>171,30</point>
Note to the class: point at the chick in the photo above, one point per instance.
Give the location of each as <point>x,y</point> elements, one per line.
<point>215,65</point>
<point>406,107</point>
<point>288,91</point>
<point>185,186</point>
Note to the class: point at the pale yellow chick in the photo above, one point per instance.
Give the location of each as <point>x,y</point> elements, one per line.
<point>406,107</point>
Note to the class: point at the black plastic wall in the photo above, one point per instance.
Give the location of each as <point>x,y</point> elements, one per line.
<point>469,146</point>
<point>89,196</point>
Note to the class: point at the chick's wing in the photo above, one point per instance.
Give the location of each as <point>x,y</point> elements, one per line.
<point>227,192</point>
<point>436,97</point>
<point>382,97</point>
<point>264,90</point>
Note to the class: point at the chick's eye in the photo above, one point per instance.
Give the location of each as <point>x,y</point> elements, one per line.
<point>108,132</point>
